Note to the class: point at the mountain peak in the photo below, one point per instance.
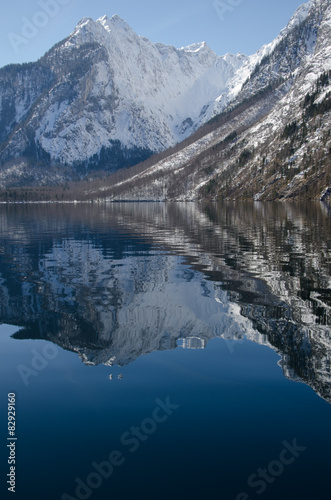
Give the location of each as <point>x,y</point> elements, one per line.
<point>300,14</point>
<point>86,25</point>
<point>90,30</point>
<point>102,19</point>
<point>200,50</point>
<point>84,21</point>
<point>117,19</point>
<point>196,47</point>
<point>114,23</point>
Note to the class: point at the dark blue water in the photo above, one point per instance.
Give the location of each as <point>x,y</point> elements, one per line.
<point>166,351</point>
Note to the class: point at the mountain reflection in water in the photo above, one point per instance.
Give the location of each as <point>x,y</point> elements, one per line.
<point>114,282</point>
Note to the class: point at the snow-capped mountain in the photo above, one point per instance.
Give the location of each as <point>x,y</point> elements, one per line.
<point>106,97</point>
<point>272,141</point>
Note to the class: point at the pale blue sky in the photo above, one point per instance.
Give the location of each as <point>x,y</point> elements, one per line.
<point>28,28</point>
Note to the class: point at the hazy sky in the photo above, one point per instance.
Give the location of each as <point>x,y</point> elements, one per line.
<point>28,28</point>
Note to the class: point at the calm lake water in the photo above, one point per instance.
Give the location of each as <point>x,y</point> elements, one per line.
<point>166,351</point>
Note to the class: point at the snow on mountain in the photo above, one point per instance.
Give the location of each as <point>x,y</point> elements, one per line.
<point>253,60</point>
<point>108,91</point>
<point>156,81</point>
<point>252,150</point>
<point>106,98</point>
